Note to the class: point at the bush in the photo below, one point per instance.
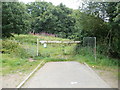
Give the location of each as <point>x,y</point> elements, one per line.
<point>13,48</point>
<point>25,38</point>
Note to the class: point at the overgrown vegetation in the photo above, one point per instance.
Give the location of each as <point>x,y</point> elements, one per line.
<point>61,21</point>
<point>19,55</point>
<point>13,48</point>
<point>86,55</point>
<point>16,55</point>
<point>23,23</point>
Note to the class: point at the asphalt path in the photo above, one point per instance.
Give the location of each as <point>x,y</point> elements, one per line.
<point>68,74</point>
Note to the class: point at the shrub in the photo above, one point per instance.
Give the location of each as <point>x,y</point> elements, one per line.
<point>26,39</point>
<point>13,48</point>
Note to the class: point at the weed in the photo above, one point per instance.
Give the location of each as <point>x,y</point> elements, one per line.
<point>19,49</point>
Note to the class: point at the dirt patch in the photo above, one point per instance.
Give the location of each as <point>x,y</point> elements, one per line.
<point>31,60</point>
<point>12,80</point>
<point>110,77</point>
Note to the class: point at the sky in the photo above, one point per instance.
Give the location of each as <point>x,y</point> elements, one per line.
<point>74,4</point>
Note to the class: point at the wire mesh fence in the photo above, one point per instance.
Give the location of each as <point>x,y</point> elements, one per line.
<point>89,44</point>
<point>55,49</point>
<point>30,49</point>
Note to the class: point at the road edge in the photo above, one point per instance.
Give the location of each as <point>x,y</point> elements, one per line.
<point>22,83</point>
<point>96,74</point>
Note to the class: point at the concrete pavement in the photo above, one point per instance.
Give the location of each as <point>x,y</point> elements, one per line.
<point>68,74</point>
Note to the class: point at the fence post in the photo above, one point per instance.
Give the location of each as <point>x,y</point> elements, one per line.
<point>37,45</point>
<point>95,49</point>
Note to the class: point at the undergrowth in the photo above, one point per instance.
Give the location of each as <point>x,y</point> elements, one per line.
<point>84,54</point>
<point>17,51</point>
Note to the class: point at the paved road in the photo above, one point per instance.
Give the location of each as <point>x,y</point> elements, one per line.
<point>65,75</point>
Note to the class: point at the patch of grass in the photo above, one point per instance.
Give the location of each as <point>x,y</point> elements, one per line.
<point>87,55</point>
<point>25,38</point>
<point>16,65</point>
<point>103,63</point>
<point>38,58</point>
<point>33,38</point>
<point>55,59</point>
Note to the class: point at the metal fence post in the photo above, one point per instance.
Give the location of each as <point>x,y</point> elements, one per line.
<point>95,49</point>
<point>37,46</point>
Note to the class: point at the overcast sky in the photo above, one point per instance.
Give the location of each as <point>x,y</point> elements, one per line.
<point>69,3</point>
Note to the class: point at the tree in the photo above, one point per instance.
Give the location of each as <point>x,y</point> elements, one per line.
<point>66,22</point>
<point>89,25</point>
<point>41,16</point>
<point>14,18</point>
<point>51,19</point>
<point>108,10</point>
<point>114,26</point>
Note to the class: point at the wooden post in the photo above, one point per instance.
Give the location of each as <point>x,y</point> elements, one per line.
<point>37,46</point>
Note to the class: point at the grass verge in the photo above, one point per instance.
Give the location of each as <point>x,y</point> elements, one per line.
<point>13,63</point>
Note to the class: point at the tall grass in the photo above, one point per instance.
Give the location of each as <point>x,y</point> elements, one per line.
<point>18,50</point>
<point>86,54</point>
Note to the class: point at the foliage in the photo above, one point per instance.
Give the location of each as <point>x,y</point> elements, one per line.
<point>114,38</point>
<point>51,19</point>
<point>13,48</point>
<point>53,52</point>
<point>108,30</point>
<point>86,55</point>
<point>14,18</point>
<point>90,20</point>
<point>15,56</point>
<point>59,21</point>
